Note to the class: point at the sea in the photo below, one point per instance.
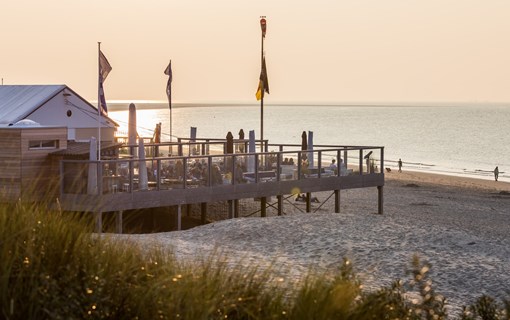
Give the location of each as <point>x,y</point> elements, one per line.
<point>460,140</point>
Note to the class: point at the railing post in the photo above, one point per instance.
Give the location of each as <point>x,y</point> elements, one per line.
<point>256,168</point>
<point>319,166</point>
<point>338,164</point>
<point>158,175</point>
<point>360,161</point>
<point>382,159</point>
<point>185,170</point>
<point>99,177</point>
<point>278,166</point>
<point>345,158</point>
<point>209,169</point>
<point>299,165</point>
<point>233,167</point>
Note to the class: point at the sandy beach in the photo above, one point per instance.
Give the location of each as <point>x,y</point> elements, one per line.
<point>461,226</point>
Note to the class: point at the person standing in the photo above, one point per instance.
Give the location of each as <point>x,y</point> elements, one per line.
<point>399,165</point>
<point>496,173</point>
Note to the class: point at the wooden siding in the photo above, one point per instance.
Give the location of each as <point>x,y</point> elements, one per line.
<point>10,164</point>
<point>39,175</point>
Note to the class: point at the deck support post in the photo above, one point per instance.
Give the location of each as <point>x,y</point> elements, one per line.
<point>280,204</point>
<point>230,209</point>
<point>98,217</point>
<point>263,202</point>
<point>203,212</point>
<point>236,208</point>
<point>308,202</point>
<point>337,201</point>
<point>118,221</point>
<point>380,199</point>
<point>188,209</point>
<point>179,217</point>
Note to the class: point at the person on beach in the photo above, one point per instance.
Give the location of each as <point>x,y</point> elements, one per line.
<point>399,165</point>
<point>496,173</point>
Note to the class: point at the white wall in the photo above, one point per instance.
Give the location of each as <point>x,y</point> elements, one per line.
<point>54,113</point>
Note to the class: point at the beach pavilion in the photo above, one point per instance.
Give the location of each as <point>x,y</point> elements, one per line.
<point>45,134</point>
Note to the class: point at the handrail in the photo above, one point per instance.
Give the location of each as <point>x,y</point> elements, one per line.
<point>227,166</point>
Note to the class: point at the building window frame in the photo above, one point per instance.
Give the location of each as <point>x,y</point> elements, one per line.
<point>43,144</point>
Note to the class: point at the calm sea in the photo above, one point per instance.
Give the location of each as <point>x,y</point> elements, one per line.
<point>454,140</point>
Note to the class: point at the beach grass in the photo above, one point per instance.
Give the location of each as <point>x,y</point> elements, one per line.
<point>53,267</point>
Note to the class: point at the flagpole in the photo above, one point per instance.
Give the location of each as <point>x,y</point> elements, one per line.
<point>99,100</point>
<point>262,35</point>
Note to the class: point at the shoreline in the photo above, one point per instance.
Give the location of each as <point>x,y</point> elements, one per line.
<point>448,180</point>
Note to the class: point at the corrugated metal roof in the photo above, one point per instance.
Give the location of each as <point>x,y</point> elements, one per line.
<point>17,101</point>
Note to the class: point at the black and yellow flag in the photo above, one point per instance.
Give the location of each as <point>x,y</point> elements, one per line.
<point>263,83</point>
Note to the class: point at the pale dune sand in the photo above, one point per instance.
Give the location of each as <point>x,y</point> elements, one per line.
<point>460,226</point>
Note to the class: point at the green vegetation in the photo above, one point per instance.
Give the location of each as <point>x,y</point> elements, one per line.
<point>53,267</point>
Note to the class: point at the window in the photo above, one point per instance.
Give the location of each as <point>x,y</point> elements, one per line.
<point>42,144</point>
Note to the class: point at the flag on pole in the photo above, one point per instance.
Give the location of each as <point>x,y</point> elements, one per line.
<point>263,83</point>
<point>104,70</point>
<point>168,72</point>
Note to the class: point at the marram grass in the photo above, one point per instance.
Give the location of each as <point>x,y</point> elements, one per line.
<point>53,267</point>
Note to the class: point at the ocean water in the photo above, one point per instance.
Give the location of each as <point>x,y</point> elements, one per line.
<point>454,140</point>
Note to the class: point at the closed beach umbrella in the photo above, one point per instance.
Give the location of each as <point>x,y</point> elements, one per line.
<point>92,177</point>
<point>310,149</point>
<point>241,143</point>
<point>142,167</point>
<point>193,134</point>
<point>230,143</point>
<point>304,142</point>
<point>251,149</point>
<point>132,126</point>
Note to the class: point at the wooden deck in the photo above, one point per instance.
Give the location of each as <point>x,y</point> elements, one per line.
<point>196,177</point>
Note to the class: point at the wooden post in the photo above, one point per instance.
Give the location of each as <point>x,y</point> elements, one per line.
<point>263,201</point>
<point>337,201</point>
<point>360,161</point>
<point>236,208</point>
<point>308,202</point>
<point>98,217</point>
<point>380,201</point>
<point>179,217</point>
<point>280,204</point>
<point>118,221</point>
<point>203,212</point>
<point>230,209</point>
<point>188,209</point>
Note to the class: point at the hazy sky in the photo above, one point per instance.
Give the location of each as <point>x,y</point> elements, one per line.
<point>317,51</point>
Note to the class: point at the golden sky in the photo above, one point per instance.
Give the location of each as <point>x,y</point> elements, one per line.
<point>328,51</point>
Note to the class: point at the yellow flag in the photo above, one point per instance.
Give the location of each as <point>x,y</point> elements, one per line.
<point>260,91</point>
<point>263,83</point>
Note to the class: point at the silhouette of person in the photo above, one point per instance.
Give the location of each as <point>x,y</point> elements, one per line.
<point>496,173</point>
<point>399,165</point>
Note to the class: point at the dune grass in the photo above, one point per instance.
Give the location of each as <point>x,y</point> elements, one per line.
<point>53,267</point>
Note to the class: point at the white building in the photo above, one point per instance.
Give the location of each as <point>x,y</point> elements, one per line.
<point>54,105</point>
